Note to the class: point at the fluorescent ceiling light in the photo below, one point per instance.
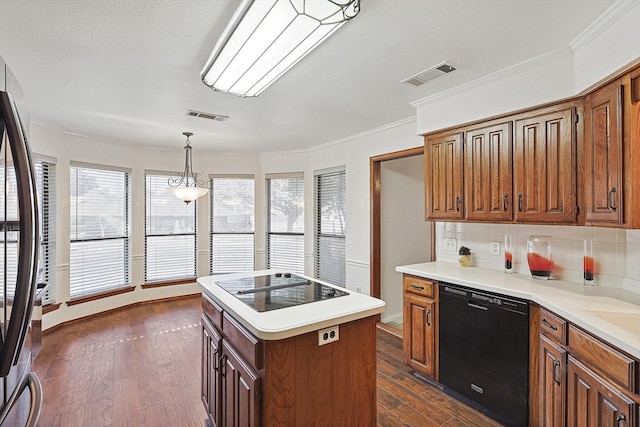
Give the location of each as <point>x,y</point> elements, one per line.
<point>267,37</point>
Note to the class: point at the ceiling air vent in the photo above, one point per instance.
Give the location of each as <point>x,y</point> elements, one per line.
<point>210,116</point>
<point>434,72</point>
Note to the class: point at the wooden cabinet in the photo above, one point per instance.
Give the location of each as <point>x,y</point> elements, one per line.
<point>488,173</point>
<point>593,402</point>
<point>443,177</point>
<point>211,384</point>
<point>582,381</point>
<point>552,383</point>
<point>293,381</point>
<point>420,324</point>
<point>545,166</point>
<point>240,390</point>
<point>604,153</point>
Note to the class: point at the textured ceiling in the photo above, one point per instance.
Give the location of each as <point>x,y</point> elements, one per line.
<point>126,71</point>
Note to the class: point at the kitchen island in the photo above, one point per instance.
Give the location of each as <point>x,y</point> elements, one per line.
<point>281,349</point>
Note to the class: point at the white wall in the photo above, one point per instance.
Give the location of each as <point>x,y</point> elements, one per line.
<point>405,237</point>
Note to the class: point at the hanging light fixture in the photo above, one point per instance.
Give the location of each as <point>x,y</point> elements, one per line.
<point>267,37</point>
<point>187,187</point>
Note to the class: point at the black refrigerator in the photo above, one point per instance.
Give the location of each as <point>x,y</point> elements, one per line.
<point>20,389</point>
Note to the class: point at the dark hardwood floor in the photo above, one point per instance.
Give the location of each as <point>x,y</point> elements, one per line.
<point>140,366</point>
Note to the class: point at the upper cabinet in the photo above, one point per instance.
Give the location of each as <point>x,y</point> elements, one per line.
<point>545,166</point>
<point>487,173</point>
<point>612,153</point>
<point>521,168</point>
<point>443,173</point>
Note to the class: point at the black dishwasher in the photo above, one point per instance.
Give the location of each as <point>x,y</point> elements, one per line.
<point>484,351</point>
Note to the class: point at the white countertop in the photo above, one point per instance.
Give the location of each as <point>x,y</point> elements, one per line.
<point>611,314</point>
<point>291,321</point>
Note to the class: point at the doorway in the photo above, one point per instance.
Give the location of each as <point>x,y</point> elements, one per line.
<point>399,233</point>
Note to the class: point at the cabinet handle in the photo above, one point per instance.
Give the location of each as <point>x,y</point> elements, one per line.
<point>556,377</point>
<point>610,199</point>
<point>549,325</point>
<point>416,287</point>
<point>223,365</point>
<point>216,361</point>
<point>429,317</point>
<point>504,201</point>
<point>520,202</point>
<point>458,203</point>
<point>620,419</point>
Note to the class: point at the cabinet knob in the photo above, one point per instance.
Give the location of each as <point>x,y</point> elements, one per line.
<point>556,371</point>
<point>429,317</point>
<point>621,419</point>
<point>458,203</point>
<point>504,201</point>
<point>519,202</point>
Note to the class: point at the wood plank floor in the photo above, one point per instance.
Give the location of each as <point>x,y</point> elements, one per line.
<point>140,366</point>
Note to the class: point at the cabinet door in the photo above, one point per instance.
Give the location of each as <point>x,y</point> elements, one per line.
<point>594,403</point>
<point>544,168</point>
<point>210,382</point>
<point>604,155</point>
<point>443,177</point>
<point>419,333</point>
<point>240,391</point>
<point>487,173</point>
<point>553,383</point>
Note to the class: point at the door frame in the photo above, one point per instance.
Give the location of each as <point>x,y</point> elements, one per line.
<point>375,163</point>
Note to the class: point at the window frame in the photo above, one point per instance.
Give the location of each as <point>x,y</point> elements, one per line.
<point>268,233</point>
<point>317,223</point>
<point>212,208</point>
<point>126,238</point>
<point>178,279</point>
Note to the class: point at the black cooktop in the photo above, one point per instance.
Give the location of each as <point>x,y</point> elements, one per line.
<point>280,290</point>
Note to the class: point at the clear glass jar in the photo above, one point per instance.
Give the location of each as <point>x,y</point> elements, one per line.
<point>540,256</point>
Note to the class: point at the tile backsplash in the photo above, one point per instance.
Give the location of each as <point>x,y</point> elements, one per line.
<point>616,252</point>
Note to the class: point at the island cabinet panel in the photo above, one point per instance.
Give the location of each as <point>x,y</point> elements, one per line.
<point>330,385</point>
<point>241,391</point>
<point>487,173</point>
<point>604,154</point>
<point>545,166</point>
<point>593,403</point>
<point>552,383</point>
<point>443,177</point>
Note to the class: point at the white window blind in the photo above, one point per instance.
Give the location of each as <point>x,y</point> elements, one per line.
<point>285,223</point>
<point>9,213</point>
<point>45,185</point>
<point>100,253</point>
<point>232,224</point>
<point>170,233</point>
<point>330,232</point>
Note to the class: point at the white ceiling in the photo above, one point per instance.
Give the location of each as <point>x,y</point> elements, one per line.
<point>126,71</point>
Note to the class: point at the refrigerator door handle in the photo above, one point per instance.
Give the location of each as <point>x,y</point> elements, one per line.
<point>28,240</point>
<point>31,380</point>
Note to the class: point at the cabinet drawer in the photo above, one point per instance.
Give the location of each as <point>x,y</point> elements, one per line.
<point>612,363</point>
<point>553,326</point>
<point>419,285</point>
<point>213,311</point>
<point>245,343</point>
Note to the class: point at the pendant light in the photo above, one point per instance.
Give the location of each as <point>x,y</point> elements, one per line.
<point>187,187</point>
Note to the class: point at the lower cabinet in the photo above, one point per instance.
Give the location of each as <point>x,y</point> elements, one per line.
<point>420,325</point>
<point>211,381</point>
<point>594,403</point>
<point>553,383</point>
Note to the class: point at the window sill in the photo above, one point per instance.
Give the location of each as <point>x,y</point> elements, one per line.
<point>187,280</point>
<point>48,308</point>
<point>100,295</point>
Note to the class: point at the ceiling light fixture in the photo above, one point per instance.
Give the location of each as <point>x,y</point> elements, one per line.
<point>187,187</point>
<point>265,38</point>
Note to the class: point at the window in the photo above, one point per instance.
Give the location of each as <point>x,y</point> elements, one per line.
<point>285,222</point>
<point>99,205</point>
<point>330,222</point>
<point>232,224</point>
<point>170,232</point>
<point>45,186</point>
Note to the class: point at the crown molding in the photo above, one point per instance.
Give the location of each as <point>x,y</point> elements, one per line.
<point>604,21</point>
<point>513,70</point>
